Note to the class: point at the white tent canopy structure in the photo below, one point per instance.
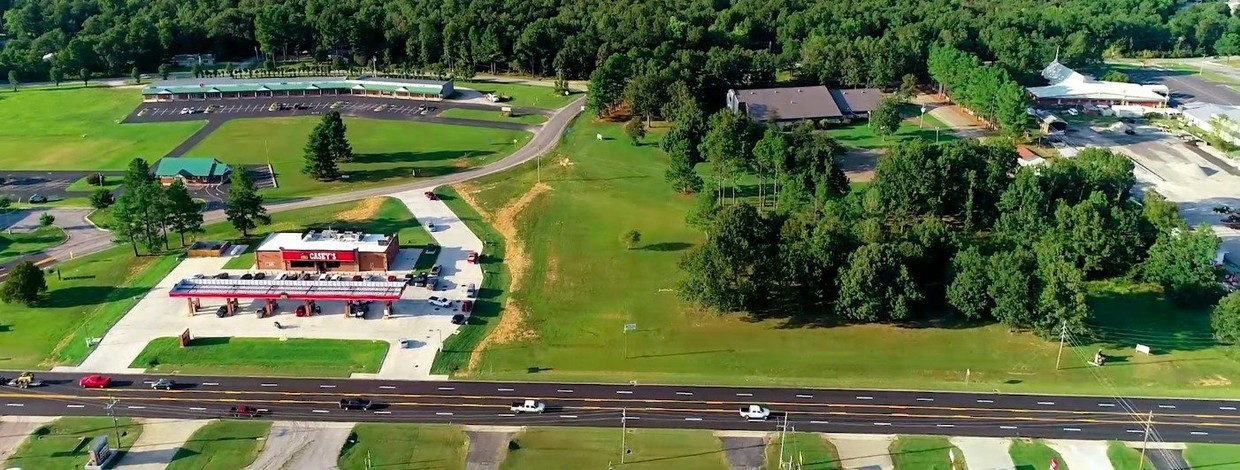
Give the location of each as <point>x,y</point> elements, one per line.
<point>1068,86</point>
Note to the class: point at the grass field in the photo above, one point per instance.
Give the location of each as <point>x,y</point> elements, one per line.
<point>405,446</point>
<point>75,128</point>
<point>109,182</point>
<point>55,446</point>
<point>387,152</point>
<point>811,450</point>
<point>578,286</point>
<point>480,115</point>
<point>861,135</point>
<point>1213,456</point>
<point>222,445</point>
<point>533,96</point>
<point>13,245</point>
<point>1126,458</point>
<point>924,453</point>
<point>294,357</point>
<point>583,448</point>
<point>1031,454</point>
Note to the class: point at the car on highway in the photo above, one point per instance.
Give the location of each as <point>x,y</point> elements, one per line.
<point>458,319</point>
<point>442,302</point>
<point>436,269</point>
<point>243,411</point>
<point>94,381</point>
<point>163,384</point>
<point>528,406</point>
<point>472,258</point>
<point>755,412</point>
<point>355,403</point>
<point>467,305</point>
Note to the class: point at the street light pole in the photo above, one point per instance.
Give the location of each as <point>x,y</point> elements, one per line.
<point>115,426</point>
<point>624,432</point>
<point>1146,439</point>
<point>1063,334</point>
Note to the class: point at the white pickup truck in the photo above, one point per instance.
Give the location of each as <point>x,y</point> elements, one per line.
<point>528,406</point>
<point>755,412</point>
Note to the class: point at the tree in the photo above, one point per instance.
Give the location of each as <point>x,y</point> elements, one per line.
<point>770,154</point>
<point>338,139</point>
<point>13,79</point>
<point>24,285</point>
<point>631,238</point>
<point>184,213</point>
<point>885,119</point>
<point>635,130</point>
<point>1182,262</point>
<point>320,163</point>
<point>56,74</point>
<point>84,74</point>
<point>1115,76</point>
<point>1227,45</point>
<point>196,69</point>
<point>728,271</point>
<point>908,87</point>
<point>135,75</point>
<point>127,226</point>
<point>101,198</point>
<point>681,175</point>
<point>645,94</point>
<point>967,291</point>
<point>245,209</point>
<point>164,71</point>
<point>727,145</point>
<point>138,173</point>
<point>1225,319</point>
<point>46,219</point>
<point>876,285</point>
<point>1013,291</point>
<point>607,84</point>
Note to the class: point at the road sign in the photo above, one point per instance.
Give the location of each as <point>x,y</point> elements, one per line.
<point>630,326</point>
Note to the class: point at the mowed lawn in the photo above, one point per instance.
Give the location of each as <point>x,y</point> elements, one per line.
<point>582,448</point>
<point>1123,457</point>
<point>76,128</point>
<point>16,244</point>
<point>493,115</point>
<point>811,450</point>
<point>405,446</point>
<point>1036,455</point>
<point>222,445</point>
<point>58,445</point>
<point>861,135</point>
<point>519,94</point>
<point>581,286</point>
<point>387,152</point>
<point>292,357</point>
<point>924,453</point>
<point>1213,456</point>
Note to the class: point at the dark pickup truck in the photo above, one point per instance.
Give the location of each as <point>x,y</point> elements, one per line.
<point>355,404</point>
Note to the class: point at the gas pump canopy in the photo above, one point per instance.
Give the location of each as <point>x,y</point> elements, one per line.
<point>294,290</point>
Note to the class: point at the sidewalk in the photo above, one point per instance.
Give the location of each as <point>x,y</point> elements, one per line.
<point>159,442</point>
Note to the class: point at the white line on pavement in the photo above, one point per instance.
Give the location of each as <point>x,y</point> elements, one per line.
<point>383,412</point>
<point>137,407</point>
<point>626,392</point>
<point>507,415</point>
<point>443,413</point>
<point>1106,404</point>
<point>693,419</point>
<point>819,422</point>
<point>1072,429</point>
<point>565,390</point>
<point>387,387</point>
<point>446,389</point>
<point>1135,431</point>
<point>805,396</point>
<point>504,389</point>
<point>196,408</point>
<point>318,411</point>
<point>985,401</point>
<point>925,399</point>
<point>1228,408</point>
<point>1047,403</point>
<point>75,406</point>
<point>1007,427</point>
<point>685,393</point>
<point>1198,433</point>
<point>267,385</point>
<point>327,386</point>
<point>865,398</point>
<point>744,394</point>
<point>882,424</point>
<point>1166,406</point>
<point>14,404</point>
<point>568,416</point>
<point>945,425</point>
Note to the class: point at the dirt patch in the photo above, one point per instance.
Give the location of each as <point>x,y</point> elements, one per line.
<point>565,162</point>
<point>1215,381</point>
<point>365,210</point>
<point>518,262</point>
<point>859,164</point>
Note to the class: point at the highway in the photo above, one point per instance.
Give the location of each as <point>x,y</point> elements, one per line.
<point>653,406</point>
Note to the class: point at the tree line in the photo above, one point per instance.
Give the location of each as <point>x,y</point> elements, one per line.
<point>988,91</point>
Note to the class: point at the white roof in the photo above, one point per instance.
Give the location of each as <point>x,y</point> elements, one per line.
<point>326,241</point>
<point>1205,112</point>
<point>1066,83</point>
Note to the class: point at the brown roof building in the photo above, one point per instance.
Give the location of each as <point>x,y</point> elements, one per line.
<point>791,104</point>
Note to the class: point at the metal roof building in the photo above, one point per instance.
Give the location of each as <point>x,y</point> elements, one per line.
<point>191,170</point>
<point>177,90</point>
<point>792,104</point>
<point>1069,87</point>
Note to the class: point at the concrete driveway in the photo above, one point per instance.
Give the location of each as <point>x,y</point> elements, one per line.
<point>303,445</point>
<point>985,453</point>
<point>863,451</point>
<point>1082,454</point>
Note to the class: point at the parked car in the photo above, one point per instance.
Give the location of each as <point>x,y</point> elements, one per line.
<point>221,276</point>
<point>419,280</point>
<point>37,198</point>
<point>260,276</point>
<point>380,107</point>
<point>471,291</point>
<point>243,411</point>
<point>300,106</point>
<point>467,306</point>
<point>200,276</point>
<point>336,105</point>
<point>459,319</point>
<point>247,276</point>
<point>211,109</point>
<point>472,258</point>
<point>436,269</point>
<point>432,283</point>
<point>163,384</point>
<point>94,381</point>
<point>439,301</point>
<point>355,404</point>
<point>273,107</point>
<point>185,111</point>
<point>221,312</point>
<point>357,277</point>
<point>306,276</point>
<point>301,311</point>
<point>430,195</point>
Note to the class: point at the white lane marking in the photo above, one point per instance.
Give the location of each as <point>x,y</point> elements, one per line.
<point>865,398</point>
<point>805,396</point>
<point>267,385</point>
<point>1046,403</point>
<point>1198,433</point>
<point>14,404</point>
<point>210,383</point>
<point>632,417</point>
<point>445,389</point>
<point>1228,408</point>
<point>819,422</point>
<point>383,412</point>
<point>263,410</point>
<point>882,424</point>
<point>195,408</point>
<point>985,401</point>
<point>1167,406</point>
<point>685,393</point>
<point>387,387</point>
<point>1072,429</point>
<point>565,390</point>
<point>1135,431</point>
<point>327,386</point>
<point>945,425</point>
<point>318,411</point>
<point>744,394</point>
<point>1106,404</point>
<point>1007,427</point>
<point>507,415</point>
<point>504,389</point>
<point>568,416</point>
<point>626,392</point>
<point>136,407</point>
<point>75,406</point>
<point>443,413</point>
<point>925,399</point>
<point>693,419</point>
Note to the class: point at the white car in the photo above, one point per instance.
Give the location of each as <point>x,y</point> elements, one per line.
<point>755,412</point>
<point>185,111</point>
<point>1073,111</point>
<point>528,406</point>
<point>439,301</point>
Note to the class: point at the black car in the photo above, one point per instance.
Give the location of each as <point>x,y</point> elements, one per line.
<point>355,404</point>
<point>436,269</point>
<point>221,312</point>
<point>419,280</point>
<point>221,276</point>
<point>37,198</point>
<point>300,106</point>
<point>432,284</point>
<point>306,276</point>
<point>260,276</point>
<point>247,276</point>
<point>458,319</point>
<point>163,384</point>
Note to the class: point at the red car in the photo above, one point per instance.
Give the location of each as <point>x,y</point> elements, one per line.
<point>243,411</point>
<point>430,195</point>
<point>94,381</point>
<point>473,257</point>
<point>467,305</point>
<point>301,311</point>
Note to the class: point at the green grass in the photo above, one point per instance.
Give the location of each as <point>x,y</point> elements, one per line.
<point>294,357</point>
<point>1123,457</point>
<point>481,115</point>
<point>404,446</point>
<point>1036,455</point>
<point>533,96</point>
<point>924,453</point>
<point>244,260</point>
<point>222,445</point>
<point>1213,456</point>
<point>109,182</point>
<point>811,450</point>
<point>55,446</point>
<point>860,134</point>
<point>75,128</point>
<point>584,448</point>
<point>13,245</point>
<point>582,283</point>
<point>387,152</point>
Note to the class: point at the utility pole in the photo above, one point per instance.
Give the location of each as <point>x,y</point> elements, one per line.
<point>112,401</point>
<point>1146,438</point>
<point>624,432</point>
<point>783,431</point>
<point>1063,334</point>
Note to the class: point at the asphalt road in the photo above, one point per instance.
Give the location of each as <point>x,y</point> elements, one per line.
<point>650,406</point>
<point>1186,87</point>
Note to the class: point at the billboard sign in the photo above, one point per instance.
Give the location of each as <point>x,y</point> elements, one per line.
<point>302,255</point>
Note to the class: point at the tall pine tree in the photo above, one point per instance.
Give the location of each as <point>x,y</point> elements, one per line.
<point>338,141</point>
<point>184,213</point>
<point>320,163</point>
<point>245,209</point>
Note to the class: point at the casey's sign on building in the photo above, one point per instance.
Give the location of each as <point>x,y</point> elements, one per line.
<point>300,255</point>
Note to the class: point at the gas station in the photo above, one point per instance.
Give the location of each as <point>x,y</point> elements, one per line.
<point>270,291</point>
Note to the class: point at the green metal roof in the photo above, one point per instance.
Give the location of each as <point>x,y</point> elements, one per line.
<point>190,167</point>
<point>156,89</point>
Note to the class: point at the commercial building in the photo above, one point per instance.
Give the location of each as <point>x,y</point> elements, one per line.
<point>1027,157</point>
<point>228,88</point>
<point>188,60</point>
<point>1220,120</point>
<point>192,171</point>
<point>327,250</point>
<point>1071,88</point>
<point>794,104</point>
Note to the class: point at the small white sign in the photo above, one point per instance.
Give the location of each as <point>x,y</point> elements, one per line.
<point>1143,349</point>
<point>630,326</point>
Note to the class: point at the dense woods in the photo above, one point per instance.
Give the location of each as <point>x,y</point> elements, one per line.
<point>708,44</point>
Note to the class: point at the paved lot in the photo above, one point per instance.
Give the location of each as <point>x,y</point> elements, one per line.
<point>488,445</point>
<point>159,442</point>
<point>20,185</point>
<point>1082,454</point>
<point>985,453</point>
<point>302,445</point>
<point>1187,87</point>
<point>744,450</point>
<point>15,429</point>
<point>864,451</point>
